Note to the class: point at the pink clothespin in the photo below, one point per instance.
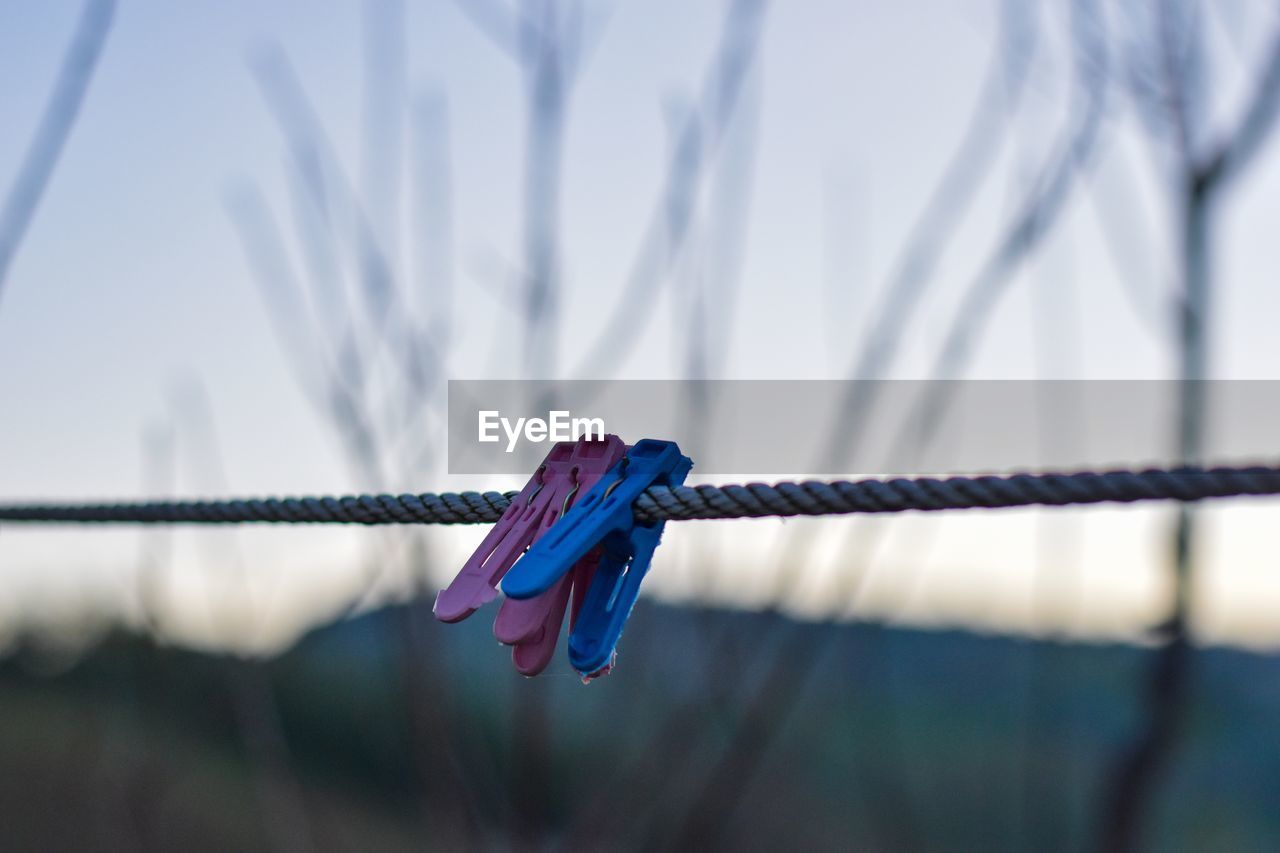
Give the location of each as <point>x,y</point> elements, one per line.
<point>532,626</point>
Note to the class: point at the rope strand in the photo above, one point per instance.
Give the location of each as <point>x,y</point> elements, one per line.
<point>686,503</point>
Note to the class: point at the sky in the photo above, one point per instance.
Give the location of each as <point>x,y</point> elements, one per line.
<point>131,318</point>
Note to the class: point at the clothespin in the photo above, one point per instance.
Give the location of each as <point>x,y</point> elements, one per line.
<point>532,626</point>
<point>603,519</point>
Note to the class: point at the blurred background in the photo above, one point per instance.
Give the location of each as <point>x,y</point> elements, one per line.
<point>243,247</point>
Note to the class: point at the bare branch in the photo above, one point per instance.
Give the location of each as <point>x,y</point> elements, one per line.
<point>60,114</point>
<point>668,225</point>
<point>502,25</point>
<point>282,294</point>
<point>1040,210</point>
<point>386,312</point>
<point>1173,65</point>
<point>1001,94</point>
<point>1235,153</point>
<point>932,233</point>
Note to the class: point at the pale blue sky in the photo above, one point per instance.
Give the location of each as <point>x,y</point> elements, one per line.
<point>132,282</point>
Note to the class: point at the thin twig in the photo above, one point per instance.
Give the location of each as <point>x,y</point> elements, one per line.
<point>60,114</point>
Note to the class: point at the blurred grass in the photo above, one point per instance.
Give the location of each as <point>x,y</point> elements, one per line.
<point>137,746</point>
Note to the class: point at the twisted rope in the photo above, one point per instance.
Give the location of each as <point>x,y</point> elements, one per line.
<point>683,503</point>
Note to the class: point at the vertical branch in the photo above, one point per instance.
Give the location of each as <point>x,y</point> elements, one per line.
<point>158,478</point>
<point>1201,182</point>
<point>248,682</point>
<point>432,165</point>
<point>545,121</point>
<point>1168,687</point>
<point>381,154</point>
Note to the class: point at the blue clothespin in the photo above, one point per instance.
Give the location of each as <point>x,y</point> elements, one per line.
<point>603,517</point>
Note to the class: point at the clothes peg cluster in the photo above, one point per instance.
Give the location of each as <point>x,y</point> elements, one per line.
<point>571,535</point>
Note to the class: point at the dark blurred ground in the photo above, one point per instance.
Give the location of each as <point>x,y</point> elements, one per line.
<point>392,732</point>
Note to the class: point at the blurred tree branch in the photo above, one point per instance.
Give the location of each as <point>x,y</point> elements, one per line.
<point>667,231</point>
<point>79,64</point>
<point>1199,182</point>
